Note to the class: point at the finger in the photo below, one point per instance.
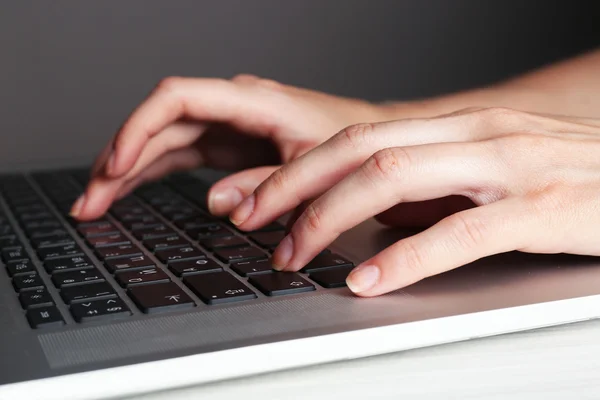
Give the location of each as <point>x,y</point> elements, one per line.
<point>102,191</point>
<point>227,193</point>
<point>423,213</point>
<point>100,161</point>
<point>391,176</point>
<point>316,171</point>
<point>211,100</point>
<point>177,135</point>
<point>455,241</point>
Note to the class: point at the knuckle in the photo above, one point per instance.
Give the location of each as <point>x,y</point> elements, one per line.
<point>468,231</point>
<point>413,259</point>
<point>355,136</point>
<point>312,218</point>
<point>170,83</point>
<point>388,163</point>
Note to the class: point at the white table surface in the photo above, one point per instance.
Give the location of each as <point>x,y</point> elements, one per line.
<point>561,362</point>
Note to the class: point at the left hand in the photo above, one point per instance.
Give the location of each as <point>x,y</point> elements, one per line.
<point>531,183</point>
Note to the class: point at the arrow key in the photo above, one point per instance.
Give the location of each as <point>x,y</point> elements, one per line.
<point>161,297</point>
<point>99,310</point>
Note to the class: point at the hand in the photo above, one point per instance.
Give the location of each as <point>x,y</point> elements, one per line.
<point>240,123</point>
<point>531,183</point>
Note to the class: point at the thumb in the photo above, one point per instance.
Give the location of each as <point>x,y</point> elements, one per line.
<point>227,193</point>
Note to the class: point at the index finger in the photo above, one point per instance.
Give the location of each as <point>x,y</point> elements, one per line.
<point>211,100</point>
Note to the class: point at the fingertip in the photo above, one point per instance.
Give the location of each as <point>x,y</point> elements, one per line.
<point>363,278</point>
<point>221,201</point>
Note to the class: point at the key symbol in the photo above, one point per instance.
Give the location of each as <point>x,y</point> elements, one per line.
<point>296,284</point>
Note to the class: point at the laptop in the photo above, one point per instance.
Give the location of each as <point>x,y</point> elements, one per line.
<point>159,294</point>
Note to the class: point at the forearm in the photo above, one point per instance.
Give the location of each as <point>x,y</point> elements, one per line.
<point>570,87</point>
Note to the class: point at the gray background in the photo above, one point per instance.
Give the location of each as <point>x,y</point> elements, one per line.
<point>70,71</point>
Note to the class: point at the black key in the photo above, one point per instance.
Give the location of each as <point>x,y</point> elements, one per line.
<point>122,213</point>
<point>41,224</point>
<point>331,278</point>
<point>123,250</point>
<point>273,226</point>
<point>134,262</point>
<point>115,239</point>
<point>191,267</point>
<point>30,208</point>
<point>99,310</point>
<point>44,317</point>
<point>6,230</point>
<point>137,221</point>
<point>59,251</point>
<point>223,242</point>
<point>72,278</point>
<point>326,261</point>
<point>268,239</point>
<point>239,254</point>
<point>73,294</point>
<point>166,243</point>
<point>194,222</point>
<point>153,232</point>
<point>253,267</point>
<point>179,254</point>
<point>35,216</point>
<point>68,264</point>
<point>47,233</point>
<point>178,216</point>
<point>142,277</point>
<point>208,232</point>
<point>29,281</point>
<point>35,298</point>
<point>17,254</point>
<point>9,241</point>
<point>103,229</point>
<point>20,267</point>
<point>281,283</point>
<point>161,297</point>
<point>218,287</point>
<point>88,224</point>
<point>52,241</point>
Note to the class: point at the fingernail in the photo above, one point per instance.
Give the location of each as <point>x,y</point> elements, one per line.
<point>224,200</point>
<point>77,206</point>
<point>243,211</point>
<point>110,164</point>
<point>363,278</point>
<point>283,254</point>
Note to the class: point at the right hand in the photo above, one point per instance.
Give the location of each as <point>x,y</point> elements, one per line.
<point>244,123</point>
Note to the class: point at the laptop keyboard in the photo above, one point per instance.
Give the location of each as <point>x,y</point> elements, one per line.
<point>160,245</point>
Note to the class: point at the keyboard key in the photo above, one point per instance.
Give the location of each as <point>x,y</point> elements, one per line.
<point>194,222</point>
<point>153,232</point>
<point>192,267</point>
<point>9,241</point>
<point>44,317</point>
<point>72,278</point>
<point>273,226</point>
<point>17,254</point>
<point>332,277</point>
<point>208,232</point>
<point>35,298</point>
<point>166,243</point>
<point>52,241</point>
<point>87,224</point>
<point>99,310</point>
<point>218,287</point>
<point>35,216</point>
<point>20,267</point>
<point>115,239</point>
<point>141,277</point>
<point>47,233</point>
<point>326,261</point>
<point>239,254</point>
<point>123,250</point>
<point>268,239</point>
<point>67,264</point>
<point>281,283</point>
<point>41,224</point>
<point>223,242</point>
<point>179,254</point>
<point>59,251</point>
<point>125,263</point>
<point>161,297</point>
<point>72,294</point>
<point>103,229</point>
<point>6,230</point>
<point>29,281</point>
<point>132,221</point>
<point>253,267</point>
